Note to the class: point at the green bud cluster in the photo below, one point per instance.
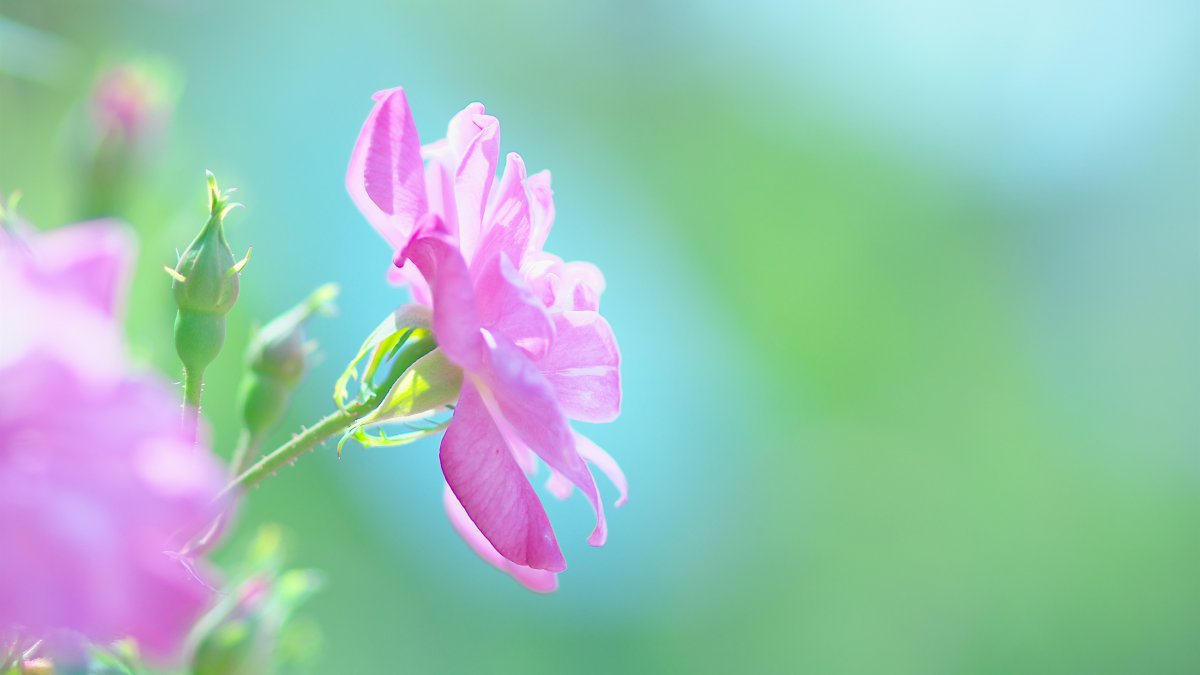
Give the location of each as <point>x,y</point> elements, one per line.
<point>276,360</point>
<point>205,288</point>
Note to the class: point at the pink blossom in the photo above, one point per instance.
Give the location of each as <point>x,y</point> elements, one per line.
<point>97,471</point>
<point>131,102</point>
<point>523,325</point>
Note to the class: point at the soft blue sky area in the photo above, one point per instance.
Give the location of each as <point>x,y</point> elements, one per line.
<point>1039,95</point>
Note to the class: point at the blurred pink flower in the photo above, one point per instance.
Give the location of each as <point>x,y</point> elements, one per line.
<point>97,471</point>
<point>131,102</point>
<point>523,326</point>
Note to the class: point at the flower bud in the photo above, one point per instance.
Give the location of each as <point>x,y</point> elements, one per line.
<point>122,130</point>
<point>276,361</point>
<point>205,287</point>
<point>131,102</point>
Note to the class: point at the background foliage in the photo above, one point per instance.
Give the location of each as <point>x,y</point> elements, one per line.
<point>907,295</point>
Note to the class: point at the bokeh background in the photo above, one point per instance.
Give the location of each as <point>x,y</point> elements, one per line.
<point>908,296</point>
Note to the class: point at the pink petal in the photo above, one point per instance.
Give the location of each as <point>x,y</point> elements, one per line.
<point>506,225</point>
<point>409,276</point>
<point>535,269</point>
<point>582,283</point>
<point>607,465</point>
<point>541,208</point>
<point>522,402</point>
<point>92,262</point>
<point>563,286</point>
<point>540,581</point>
<point>507,306</point>
<point>492,488</point>
<point>386,178</point>
<point>583,365</point>
<point>561,487</point>
<point>439,182</point>
<point>455,316</point>
<point>475,139</point>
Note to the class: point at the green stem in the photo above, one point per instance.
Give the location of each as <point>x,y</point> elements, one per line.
<point>332,424</point>
<point>193,385</point>
<point>248,448</point>
<point>267,466</point>
<point>300,444</point>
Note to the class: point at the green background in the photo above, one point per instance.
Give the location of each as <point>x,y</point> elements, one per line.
<point>907,295</point>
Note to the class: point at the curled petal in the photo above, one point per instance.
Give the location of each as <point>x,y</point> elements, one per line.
<point>408,276</point>
<point>563,286</point>
<point>386,178</point>
<point>474,137</point>
<point>493,490</point>
<point>607,465</point>
<point>522,402</point>
<point>506,225</point>
<point>560,487</point>
<point>455,315</point>
<point>583,366</point>
<point>540,581</point>
<point>541,203</point>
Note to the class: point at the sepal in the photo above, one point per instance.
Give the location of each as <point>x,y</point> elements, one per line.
<point>408,323</point>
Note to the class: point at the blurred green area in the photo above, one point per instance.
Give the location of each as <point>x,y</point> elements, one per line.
<point>908,302</point>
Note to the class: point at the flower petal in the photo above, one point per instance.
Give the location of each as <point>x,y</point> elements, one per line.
<point>386,178</point>
<point>408,276</point>
<point>506,224</point>
<point>439,182</point>
<point>560,487</point>
<point>607,465</point>
<point>581,286</point>
<point>91,261</point>
<point>475,140</point>
<point>522,402</point>
<point>493,490</point>
<point>507,306</point>
<point>541,209</point>
<point>583,365</point>
<point>540,581</point>
<point>455,315</point>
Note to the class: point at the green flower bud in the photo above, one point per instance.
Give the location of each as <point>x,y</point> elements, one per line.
<point>277,359</point>
<point>205,287</point>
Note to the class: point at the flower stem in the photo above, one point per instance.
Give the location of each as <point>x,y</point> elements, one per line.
<point>304,442</point>
<point>331,424</point>
<point>193,384</point>
<point>248,448</point>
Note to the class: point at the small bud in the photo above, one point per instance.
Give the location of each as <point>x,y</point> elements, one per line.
<point>122,131</point>
<point>205,285</point>
<point>276,361</point>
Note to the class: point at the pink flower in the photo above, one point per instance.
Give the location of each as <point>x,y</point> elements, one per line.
<point>523,326</point>
<point>97,472</point>
<point>131,103</point>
